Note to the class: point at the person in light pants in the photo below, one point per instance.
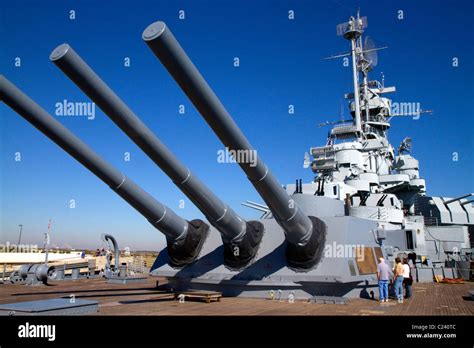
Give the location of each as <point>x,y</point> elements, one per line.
<point>383,274</point>
<point>398,279</point>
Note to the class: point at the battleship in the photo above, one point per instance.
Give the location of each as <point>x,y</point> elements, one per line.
<point>319,238</point>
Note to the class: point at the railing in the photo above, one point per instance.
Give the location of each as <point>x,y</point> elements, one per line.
<point>430,220</point>
<point>343,129</point>
<point>378,119</point>
<point>138,265</point>
<point>323,151</point>
<point>416,205</point>
<point>380,214</point>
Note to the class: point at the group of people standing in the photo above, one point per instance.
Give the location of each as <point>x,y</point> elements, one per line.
<point>401,277</point>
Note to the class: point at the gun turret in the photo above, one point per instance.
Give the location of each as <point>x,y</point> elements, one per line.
<point>305,235</point>
<point>184,238</point>
<point>241,238</point>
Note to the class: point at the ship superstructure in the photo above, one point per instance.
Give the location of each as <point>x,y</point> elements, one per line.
<point>359,166</point>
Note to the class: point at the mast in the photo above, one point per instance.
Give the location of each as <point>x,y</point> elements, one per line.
<point>364,58</point>
<point>365,84</point>
<point>355,77</point>
<point>352,30</point>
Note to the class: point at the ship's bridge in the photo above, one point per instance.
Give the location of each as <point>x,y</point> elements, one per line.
<point>337,156</point>
<point>379,111</point>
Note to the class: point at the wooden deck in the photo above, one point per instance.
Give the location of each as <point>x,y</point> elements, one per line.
<point>145,299</point>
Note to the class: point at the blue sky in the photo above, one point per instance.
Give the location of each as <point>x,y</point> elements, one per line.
<point>280,64</point>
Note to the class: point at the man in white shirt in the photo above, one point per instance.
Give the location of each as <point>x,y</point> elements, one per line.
<point>407,279</point>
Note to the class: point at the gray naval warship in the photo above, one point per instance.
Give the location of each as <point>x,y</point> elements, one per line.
<point>321,238</point>
<point>367,200</point>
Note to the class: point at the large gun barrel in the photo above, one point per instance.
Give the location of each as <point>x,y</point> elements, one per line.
<point>305,235</point>
<point>184,238</point>
<point>458,198</point>
<point>236,232</point>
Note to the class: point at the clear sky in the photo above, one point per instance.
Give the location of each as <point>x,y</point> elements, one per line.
<point>280,64</point>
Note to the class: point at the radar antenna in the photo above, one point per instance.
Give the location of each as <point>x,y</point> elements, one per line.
<point>369,55</point>
<point>405,146</point>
